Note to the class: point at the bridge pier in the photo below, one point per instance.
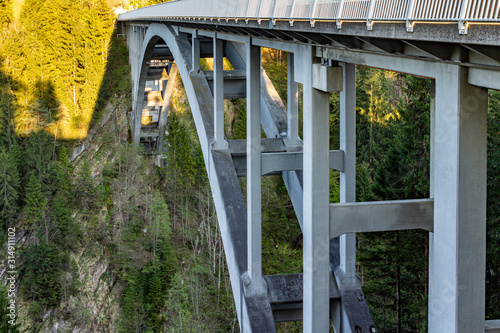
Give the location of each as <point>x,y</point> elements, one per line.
<point>458,244</point>
<point>316,175</point>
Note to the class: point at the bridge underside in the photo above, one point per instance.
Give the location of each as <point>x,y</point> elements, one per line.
<point>324,61</point>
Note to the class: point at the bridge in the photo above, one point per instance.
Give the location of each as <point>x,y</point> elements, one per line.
<point>455,43</point>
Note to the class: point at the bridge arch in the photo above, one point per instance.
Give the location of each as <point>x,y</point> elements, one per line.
<point>255,315</point>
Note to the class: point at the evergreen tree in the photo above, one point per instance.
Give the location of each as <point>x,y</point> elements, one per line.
<point>60,218</point>
<point>180,151</point>
<point>493,209</point>
<point>40,274</point>
<point>39,161</point>
<point>5,12</point>
<point>7,133</point>
<point>35,206</point>
<point>5,320</point>
<point>9,189</point>
<point>394,263</point>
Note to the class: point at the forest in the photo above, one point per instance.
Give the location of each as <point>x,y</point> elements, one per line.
<point>109,242</point>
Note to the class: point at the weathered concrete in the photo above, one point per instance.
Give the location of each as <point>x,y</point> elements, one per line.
<point>316,195</point>
<point>219,138</point>
<point>458,251</point>
<point>286,294</point>
<point>293,141</point>
<point>254,283</point>
<point>381,216</point>
<point>234,83</point>
<point>167,95</point>
<point>492,326</point>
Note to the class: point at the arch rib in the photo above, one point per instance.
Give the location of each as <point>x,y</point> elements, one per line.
<point>255,314</point>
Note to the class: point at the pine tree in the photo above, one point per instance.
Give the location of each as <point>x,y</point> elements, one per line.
<point>394,263</point>
<point>39,160</point>
<point>5,12</point>
<point>9,189</point>
<point>35,206</point>
<point>180,156</point>
<point>160,221</point>
<point>5,320</point>
<point>40,274</point>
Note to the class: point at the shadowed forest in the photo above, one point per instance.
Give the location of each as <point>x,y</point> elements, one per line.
<point>109,242</point>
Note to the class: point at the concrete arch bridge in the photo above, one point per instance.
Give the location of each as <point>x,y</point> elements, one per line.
<point>456,43</point>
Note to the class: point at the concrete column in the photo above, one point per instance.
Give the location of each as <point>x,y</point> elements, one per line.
<point>458,252</point>
<point>162,121</point>
<point>195,65</point>
<point>219,141</point>
<point>347,242</point>
<point>348,177</point>
<point>292,138</point>
<point>254,282</point>
<point>316,196</point>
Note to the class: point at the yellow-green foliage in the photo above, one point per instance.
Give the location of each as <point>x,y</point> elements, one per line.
<point>55,56</point>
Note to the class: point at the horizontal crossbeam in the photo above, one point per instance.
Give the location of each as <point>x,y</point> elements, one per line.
<point>234,83</point>
<point>381,216</point>
<point>492,326</point>
<point>286,295</point>
<point>153,98</point>
<point>157,73</point>
<point>277,162</point>
<point>267,145</point>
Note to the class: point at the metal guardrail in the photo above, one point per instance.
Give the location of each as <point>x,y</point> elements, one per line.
<point>463,12</point>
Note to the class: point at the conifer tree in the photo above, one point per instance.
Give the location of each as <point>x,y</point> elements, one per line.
<point>9,189</point>
<point>40,274</point>
<point>35,206</point>
<point>493,209</point>
<point>5,320</point>
<point>394,263</point>
<point>180,151</point>
<point>5,12</point>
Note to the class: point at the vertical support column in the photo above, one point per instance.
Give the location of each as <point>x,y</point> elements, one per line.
<point>347,242</point>
<point>139,103</point>
<point>219,141</point>
<point>254,282</point>
<point>162,121</point>
<point>292,137</point>
<point>195,44</point>
<point>316,199</point>
<point>458,252</point>
<point>348,177</point>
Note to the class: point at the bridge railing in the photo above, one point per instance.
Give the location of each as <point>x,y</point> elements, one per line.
<point>462,12</point>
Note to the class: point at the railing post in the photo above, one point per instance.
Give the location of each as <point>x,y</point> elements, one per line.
<point>290,19</point>
<point>369,22</point>
<point>339,14</point>
<point>313,9</point>
<point>258,12</point>
<point>246,11</point>
<point>273,21</point>
<point>409,16</point>
<point>463,25</point>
